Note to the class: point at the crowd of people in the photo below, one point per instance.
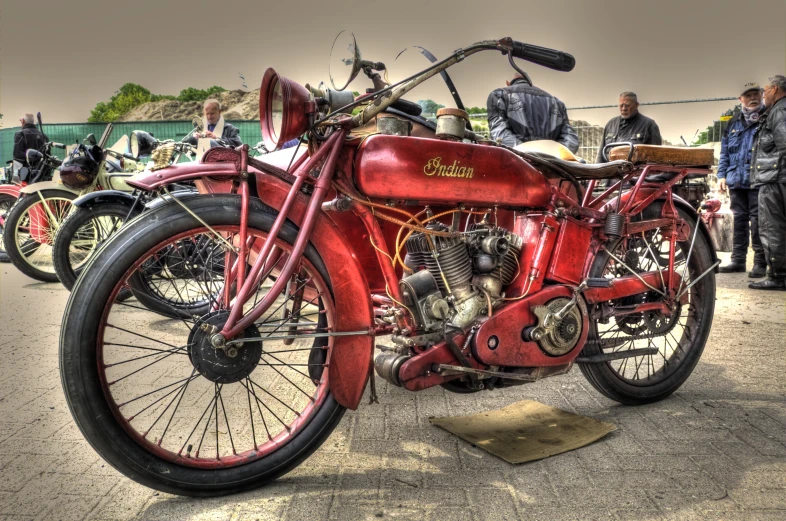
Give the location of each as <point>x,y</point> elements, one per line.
<point>752,164</point>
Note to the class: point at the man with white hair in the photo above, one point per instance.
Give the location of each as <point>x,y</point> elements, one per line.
<point>215,127</point>
<point>768,173</point>
<point>28,137</point>
<point>630,126</point>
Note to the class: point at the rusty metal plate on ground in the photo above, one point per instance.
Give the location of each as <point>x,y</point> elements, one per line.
<point>526,431</point>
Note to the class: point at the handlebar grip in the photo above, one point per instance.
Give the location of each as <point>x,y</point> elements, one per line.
<point>59,145</point>
<point>557,60</point>
<point>129,156</point>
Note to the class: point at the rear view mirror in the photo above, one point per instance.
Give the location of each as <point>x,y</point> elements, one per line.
<point>91,138</point>
<point>197,122</point>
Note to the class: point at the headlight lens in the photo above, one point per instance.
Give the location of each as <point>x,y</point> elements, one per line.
<point>282,110</point>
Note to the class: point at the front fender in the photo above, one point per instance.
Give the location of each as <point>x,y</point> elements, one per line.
<point>149,181</point>
<point>350,360</point>
<point>46,185</point>
<point>351,355</point>
<point>160,201</point>
<point>102,197</point>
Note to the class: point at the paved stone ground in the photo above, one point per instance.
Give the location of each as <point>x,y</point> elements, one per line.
<point>714,450</point>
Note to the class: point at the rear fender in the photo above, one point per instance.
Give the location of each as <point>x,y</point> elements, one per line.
<point>12,190</point>
<point>679,202</point>
<point>102,197</point>
<point>350,358</point>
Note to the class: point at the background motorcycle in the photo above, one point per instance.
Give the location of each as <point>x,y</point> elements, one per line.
<point>95,216</point>
<point>42,166</point>
<point>485,265</point>
<point>32,223</point>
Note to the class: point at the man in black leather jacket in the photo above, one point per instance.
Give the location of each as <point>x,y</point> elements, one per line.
<point>768,173</point>
<point>521,112</point>
<point>28,137</point>
<point>629,126</point>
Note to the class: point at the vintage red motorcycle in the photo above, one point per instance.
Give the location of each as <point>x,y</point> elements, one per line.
<point>477,265</point>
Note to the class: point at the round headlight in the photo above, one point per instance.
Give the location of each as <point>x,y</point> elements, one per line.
<point>142,143</point>
<point>282,110</point>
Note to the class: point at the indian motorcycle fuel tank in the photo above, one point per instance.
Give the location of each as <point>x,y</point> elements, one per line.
<point>432,171</point>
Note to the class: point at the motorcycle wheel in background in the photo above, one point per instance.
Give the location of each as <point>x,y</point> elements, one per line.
<point>157,401</point>
<point>82,233</point>
<point>30,230</point>
<point>6,203</point>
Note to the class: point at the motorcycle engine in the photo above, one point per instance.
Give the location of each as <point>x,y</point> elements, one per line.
<point>457,278</point>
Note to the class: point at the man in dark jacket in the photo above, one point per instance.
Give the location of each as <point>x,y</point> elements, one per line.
<point>630,125</point>
<point>28,137</point>
<point>768,173</point>
<point>216,127</point>
<point>734,174</point>
<point>521,112</point>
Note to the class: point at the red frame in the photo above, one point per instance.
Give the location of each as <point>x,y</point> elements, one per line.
<point>561,239</point>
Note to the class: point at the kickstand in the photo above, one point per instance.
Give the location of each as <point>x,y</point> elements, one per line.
<point>372,377</point>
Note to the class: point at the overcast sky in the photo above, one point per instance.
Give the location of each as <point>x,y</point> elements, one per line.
<point>62,57</point>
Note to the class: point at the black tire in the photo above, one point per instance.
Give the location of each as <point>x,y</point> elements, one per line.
<point>81,376</point>
<point>33,258</point>
<point>82,217</point>
<point>7,201</point>
<point>675,368</point>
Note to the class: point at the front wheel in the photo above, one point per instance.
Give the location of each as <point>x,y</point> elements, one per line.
<point>152,395</point>
<point>30,230</point>
<point>81,235</point>
<point>679,336</point>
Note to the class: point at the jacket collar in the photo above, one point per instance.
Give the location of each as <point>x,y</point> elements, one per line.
<point>29,125</point>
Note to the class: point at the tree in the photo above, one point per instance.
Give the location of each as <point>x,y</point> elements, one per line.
<point>429,106</point>
<point>192,94</point>
<point>126,98</point>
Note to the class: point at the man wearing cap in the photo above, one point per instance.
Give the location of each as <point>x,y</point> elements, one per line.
<point>522,112</point>
<point>629,126</point>
<point>734,175</point>
<point>768,173</point>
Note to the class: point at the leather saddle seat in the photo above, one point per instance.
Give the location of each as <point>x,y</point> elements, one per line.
<point>664,155</point>
<point>675,156</point>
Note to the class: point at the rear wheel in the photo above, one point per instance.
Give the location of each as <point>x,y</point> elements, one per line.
<point>679,336</point>
<point>159,402</point>
<point>30,231</point>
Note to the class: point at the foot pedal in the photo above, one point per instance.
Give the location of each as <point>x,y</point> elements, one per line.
<point>598,283</point>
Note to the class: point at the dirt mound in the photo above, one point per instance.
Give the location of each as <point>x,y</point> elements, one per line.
<point>236,105</point>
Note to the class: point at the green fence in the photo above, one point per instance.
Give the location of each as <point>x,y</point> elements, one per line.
<point>70,133</point>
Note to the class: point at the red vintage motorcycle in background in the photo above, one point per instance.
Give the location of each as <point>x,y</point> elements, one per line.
<point>479,266</point>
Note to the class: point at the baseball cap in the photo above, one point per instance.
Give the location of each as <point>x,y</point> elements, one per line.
<point>749,86</point>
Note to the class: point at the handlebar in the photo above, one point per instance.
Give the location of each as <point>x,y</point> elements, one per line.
<point>553,59</point>
<point>59,145</point>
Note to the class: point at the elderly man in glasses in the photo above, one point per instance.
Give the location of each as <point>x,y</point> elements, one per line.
<point>768,173</point>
